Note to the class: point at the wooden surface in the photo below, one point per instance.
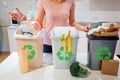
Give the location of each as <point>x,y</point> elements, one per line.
<point>3,56</point>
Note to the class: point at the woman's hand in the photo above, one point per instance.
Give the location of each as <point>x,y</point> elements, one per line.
<point>80,27</point>
<point>18,15</point>
<point>37,25</point>
<point>87,27</point>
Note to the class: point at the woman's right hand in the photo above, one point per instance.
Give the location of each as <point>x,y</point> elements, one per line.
<point>18,15</point>
<point>37,25</point>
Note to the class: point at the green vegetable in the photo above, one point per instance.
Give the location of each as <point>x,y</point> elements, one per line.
<point>76,70</point>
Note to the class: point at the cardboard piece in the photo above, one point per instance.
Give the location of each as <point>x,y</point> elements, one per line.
<point>23,61</point>
<point>110,67</point>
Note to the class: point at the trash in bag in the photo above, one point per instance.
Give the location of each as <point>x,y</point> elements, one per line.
<point>105,30</point>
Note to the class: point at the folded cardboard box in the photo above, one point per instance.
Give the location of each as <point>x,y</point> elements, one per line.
<point>110,67</point>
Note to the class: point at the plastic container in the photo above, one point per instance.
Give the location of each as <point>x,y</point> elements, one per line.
<point>100,48</point>
<point>33,47</point>
<point>63,63</point>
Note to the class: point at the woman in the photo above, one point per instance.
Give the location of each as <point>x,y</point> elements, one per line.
<point>58,13</point>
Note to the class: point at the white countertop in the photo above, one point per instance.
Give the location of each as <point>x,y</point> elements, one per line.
<point>9,70</point>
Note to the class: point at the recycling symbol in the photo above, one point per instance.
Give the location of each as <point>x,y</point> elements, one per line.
<point>103,49</point>
<point>66,57</point>
<point>32,52</point>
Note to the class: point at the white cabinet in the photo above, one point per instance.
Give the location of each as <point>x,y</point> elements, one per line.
<point>12,42</point>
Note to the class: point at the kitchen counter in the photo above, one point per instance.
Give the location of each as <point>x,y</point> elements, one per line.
<point>9,70</point>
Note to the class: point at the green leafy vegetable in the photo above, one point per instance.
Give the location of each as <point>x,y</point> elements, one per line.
<point>76,70</point>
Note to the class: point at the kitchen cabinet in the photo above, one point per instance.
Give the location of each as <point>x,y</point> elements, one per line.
<point>4,47</point>
<point>12,42</point>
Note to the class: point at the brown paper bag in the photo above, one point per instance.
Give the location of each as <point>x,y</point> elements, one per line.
<point>110,67</point>
<point>23,61</point>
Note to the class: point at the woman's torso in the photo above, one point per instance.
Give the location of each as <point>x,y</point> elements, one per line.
<point>56,14</point>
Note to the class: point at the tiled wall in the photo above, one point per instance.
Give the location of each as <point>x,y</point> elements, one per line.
<point>97,10</point>
<point>105,5</point>
<point>98,5</point>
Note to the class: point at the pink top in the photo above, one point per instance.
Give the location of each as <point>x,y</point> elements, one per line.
<point>56,15</point>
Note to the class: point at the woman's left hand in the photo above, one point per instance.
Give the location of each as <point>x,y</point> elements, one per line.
<point>87,27</point>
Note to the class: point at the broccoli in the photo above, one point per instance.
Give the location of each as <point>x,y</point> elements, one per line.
<point>76,70</point>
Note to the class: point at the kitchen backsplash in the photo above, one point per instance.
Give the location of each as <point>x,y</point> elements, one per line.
<point>97,10</point>
<point>104,5</point>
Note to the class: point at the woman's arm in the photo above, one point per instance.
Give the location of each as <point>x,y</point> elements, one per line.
<point>40,18</point>
<point>74,23</point>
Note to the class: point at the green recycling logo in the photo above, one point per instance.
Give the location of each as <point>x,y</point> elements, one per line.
<point>32,52</point>
<point>103,49</point>
<point>68,55</point>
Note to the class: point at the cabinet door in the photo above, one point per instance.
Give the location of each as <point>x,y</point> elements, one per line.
<point>12,41</point>
<point>4,47</point>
